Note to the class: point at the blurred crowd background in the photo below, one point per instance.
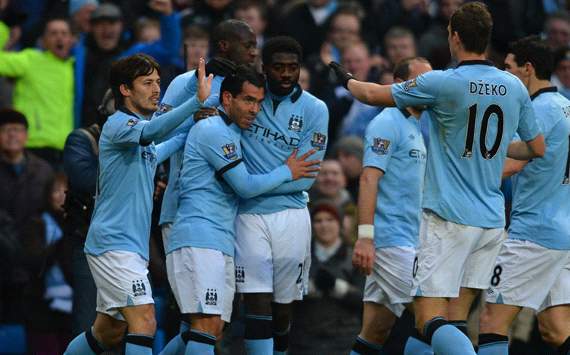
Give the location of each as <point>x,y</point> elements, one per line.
<point>55,57</point>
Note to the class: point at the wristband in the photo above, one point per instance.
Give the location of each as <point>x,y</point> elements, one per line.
<point>365,231</point>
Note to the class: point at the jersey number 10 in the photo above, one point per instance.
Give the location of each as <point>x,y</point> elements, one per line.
<point>485,153</point>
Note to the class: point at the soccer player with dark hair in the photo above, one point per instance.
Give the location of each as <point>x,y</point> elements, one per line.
<point>533,267</point>
<point>273,231</point>
<point>475,110</point>
<point>394,156</point>
<point>200,249</point>
<point>234,44</point>
<point>118,239</point>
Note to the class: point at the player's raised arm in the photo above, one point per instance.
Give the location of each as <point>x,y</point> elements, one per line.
<point>369,93</point>
<point>163,124</point>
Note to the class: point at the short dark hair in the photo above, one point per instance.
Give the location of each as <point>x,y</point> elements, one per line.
<point>234,83</point>
<point>535,51</point>
<point>473,23</point>
<point>125,70</point>
<point>53,19</point>
<point>228,30</point>
<point>8,115</point>
<point>402,68</point>
<point>281,44</point>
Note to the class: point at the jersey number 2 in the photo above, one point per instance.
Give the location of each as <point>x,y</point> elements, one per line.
<point>487,154</point>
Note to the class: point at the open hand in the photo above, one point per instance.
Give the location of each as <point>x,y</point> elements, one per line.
<point>204,84</point>
<point>301,167</point>
<point>363,256</point>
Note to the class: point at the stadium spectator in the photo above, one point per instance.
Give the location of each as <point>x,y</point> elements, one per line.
<point>557,30</point>
<point>305,79</point>
<point>80,13</point>
<point>330,186</point>
<point>343,31</point>
<point>349,151</point>
<point>325,321</point>
<point>254,13</point>
<point>306,21</point>
<point>48,296</point>
<point>561,75</point>
<point>23,180</point>
<point>399,44</point>
<point>350,116</point>
<point>44,88</point>
<point>196,45</point>
<point>208,13</point>
<point>95,53</point>
<point>433,42</point>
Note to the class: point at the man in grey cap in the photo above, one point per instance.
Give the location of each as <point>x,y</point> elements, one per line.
<point>349,151</point>
<point>105,43</point>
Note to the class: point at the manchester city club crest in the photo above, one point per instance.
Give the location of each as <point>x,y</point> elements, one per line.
<point>229,150</point>
<point>295,123</point>
<point>211,297</point>
<point>319,141</point>
<point>380,146</point>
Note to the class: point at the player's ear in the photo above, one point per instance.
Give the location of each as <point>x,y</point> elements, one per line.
<point>226,98</point>
<point>529,69</point>
<point>125,90</point>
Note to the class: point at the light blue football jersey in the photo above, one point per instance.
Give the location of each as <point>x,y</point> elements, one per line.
<point>541,191</point>
<point>182,88</point>
<point>297,121</point>
<point>394,144</point>
<point>475,110</point>
<point>208,204</point>
<point>123,205</point>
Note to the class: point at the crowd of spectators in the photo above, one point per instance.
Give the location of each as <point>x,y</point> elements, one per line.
<point>55,57</point>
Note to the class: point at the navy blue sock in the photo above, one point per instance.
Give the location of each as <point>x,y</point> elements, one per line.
<point>138,344</point>
<point>446,339</point>
<point>363,347</point>
<point>564,349</point>
<point>281,341</point>
<point>258,334</point>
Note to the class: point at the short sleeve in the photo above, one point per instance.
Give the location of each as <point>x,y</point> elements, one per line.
<point>419,91</point>
<point>220,148</point>
<point>528,128</point>
<point>126,130</point>
<point>380,142</point>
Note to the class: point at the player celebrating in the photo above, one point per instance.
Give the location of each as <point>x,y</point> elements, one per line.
<point>475,110</point>
<point>273,231</point>
<point>118,239</point>
<point>389,217</point>
<point>201,245</point>
<point>235,44</point>
<point>533,267</point>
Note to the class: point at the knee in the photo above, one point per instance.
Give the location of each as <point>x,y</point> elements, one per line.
<point>147,323</point>
<point>550,335</point>
<point>485,321</point>
<point>110,337</point>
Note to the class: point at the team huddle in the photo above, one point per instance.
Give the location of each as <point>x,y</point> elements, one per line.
<point>245,147</point>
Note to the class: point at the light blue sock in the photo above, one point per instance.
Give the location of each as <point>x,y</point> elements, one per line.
<point>176,345</point>
<point>138,344</point>
<point>259,346</point>
<point>80,345</point>
<point>415,346</point>
<point>501,348</point>
<point>135,349</point>
<point>200,343</point>
<point>448,340</point>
